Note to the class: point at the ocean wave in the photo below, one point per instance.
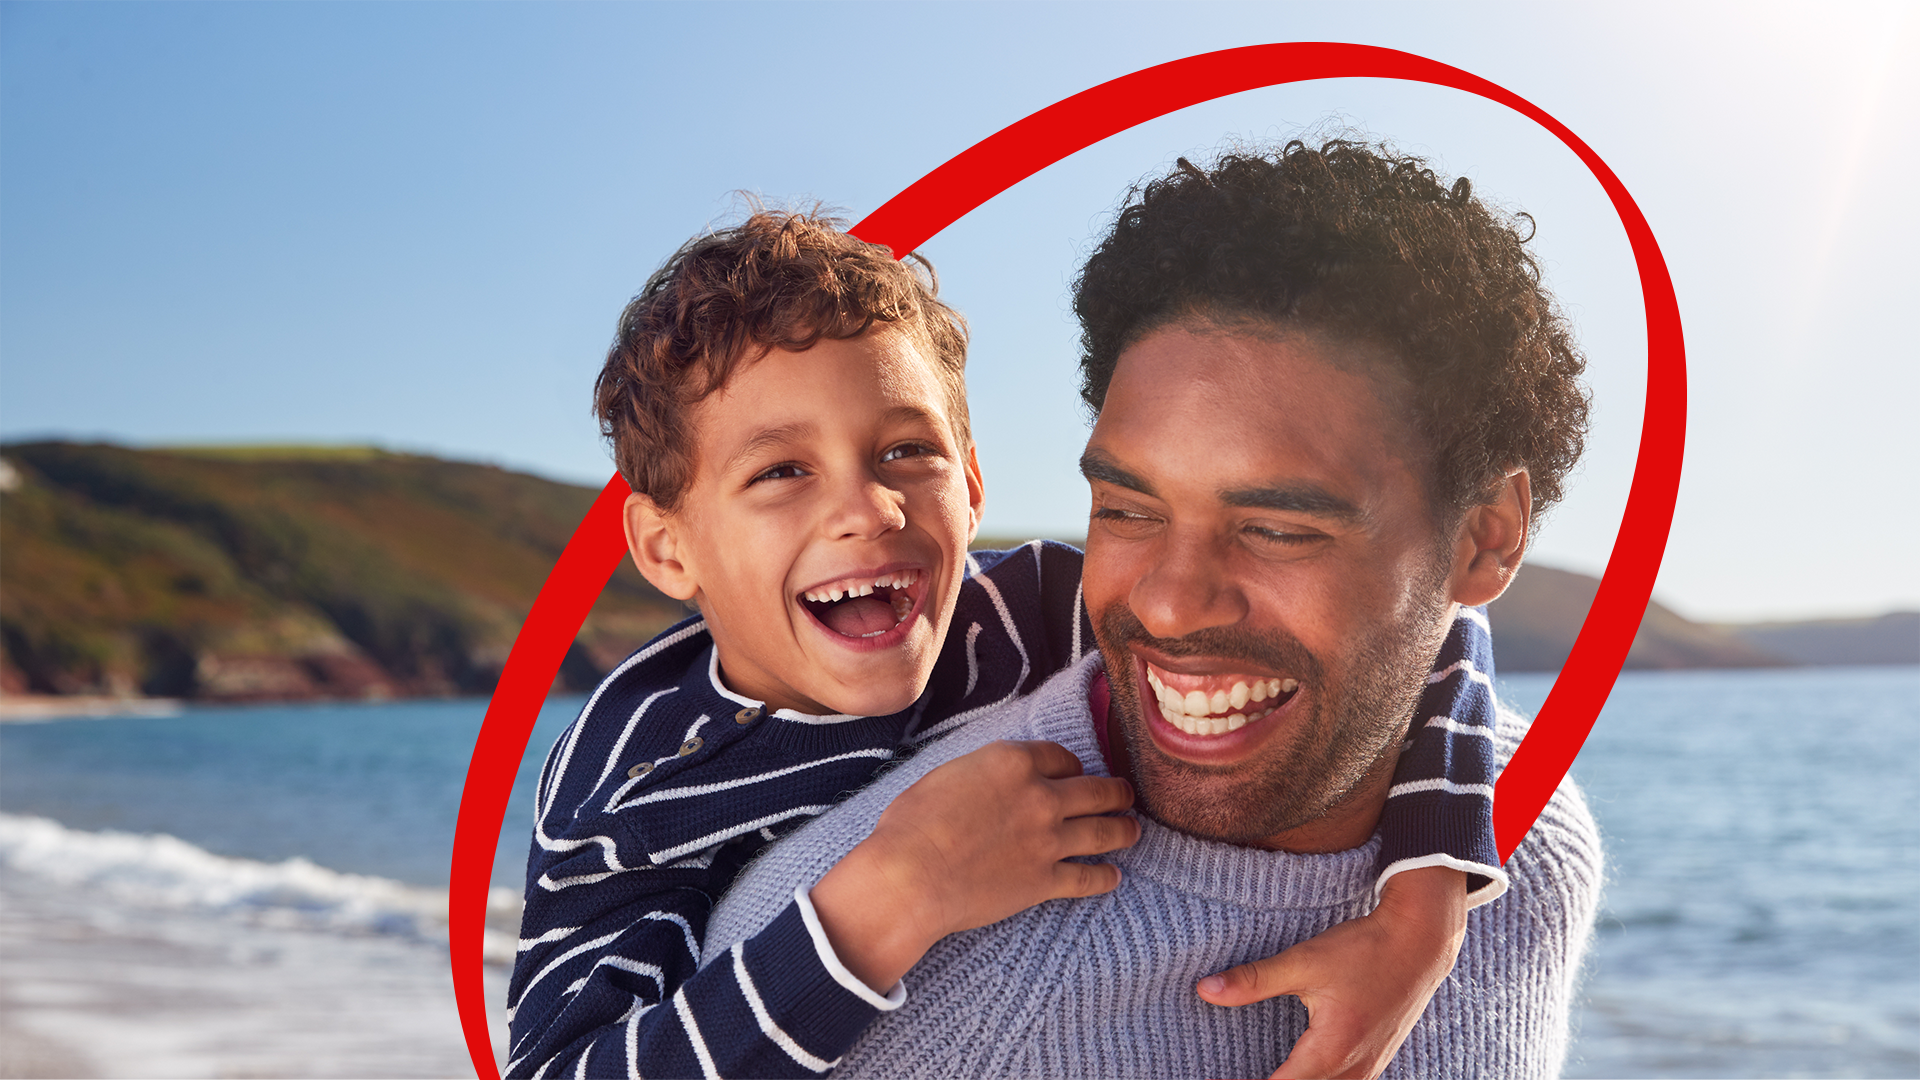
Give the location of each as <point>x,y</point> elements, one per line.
<point>161,871</point>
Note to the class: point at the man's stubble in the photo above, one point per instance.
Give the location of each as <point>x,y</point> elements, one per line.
<point>1359,708</point>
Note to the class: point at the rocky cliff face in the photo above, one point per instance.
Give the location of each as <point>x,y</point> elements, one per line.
<point>284,574</point>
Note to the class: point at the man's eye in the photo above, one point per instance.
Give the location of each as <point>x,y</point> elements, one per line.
<point>1116,518</point>
<point>1283,536</point>
<point>779,472</point>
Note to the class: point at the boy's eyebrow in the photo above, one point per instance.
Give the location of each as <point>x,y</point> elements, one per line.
<point>901,413</point>
<point>765,437</point>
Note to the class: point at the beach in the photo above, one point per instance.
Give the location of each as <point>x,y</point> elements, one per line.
<point>91,992</point>
<point>260,891</point>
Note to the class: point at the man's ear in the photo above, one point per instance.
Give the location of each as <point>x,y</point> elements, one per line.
<point>653,539</point>
<point>1491,542</point>
<point>976,492</point>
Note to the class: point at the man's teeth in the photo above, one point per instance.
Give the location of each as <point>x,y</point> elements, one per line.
<point>1198,713</point>
<point>863,587</point>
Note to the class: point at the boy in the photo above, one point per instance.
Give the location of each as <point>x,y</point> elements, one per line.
<point>788,404</point>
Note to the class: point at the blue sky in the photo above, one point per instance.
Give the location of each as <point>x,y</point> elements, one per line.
<point>414,225</point>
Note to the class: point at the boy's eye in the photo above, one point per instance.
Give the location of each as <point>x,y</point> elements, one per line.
<point>786,471</point>
<point>907,450</point>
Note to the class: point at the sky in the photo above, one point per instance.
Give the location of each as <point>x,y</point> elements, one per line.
<point>414,225</point>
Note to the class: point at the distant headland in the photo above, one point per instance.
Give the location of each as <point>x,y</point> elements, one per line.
<point>281,573</point>
<point>284,573</point>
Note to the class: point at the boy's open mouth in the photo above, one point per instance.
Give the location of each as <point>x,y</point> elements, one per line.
<point>1217,704</point>
<point>865,607</point>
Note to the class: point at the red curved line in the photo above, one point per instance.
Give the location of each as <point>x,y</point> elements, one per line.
<point>972,177</point>
<point>589,559</point>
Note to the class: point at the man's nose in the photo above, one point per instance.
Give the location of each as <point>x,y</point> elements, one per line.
<point>865,508</point>
<point>1187,588</point>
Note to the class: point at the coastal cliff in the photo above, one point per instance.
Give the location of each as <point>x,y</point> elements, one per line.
<point>284,574</point>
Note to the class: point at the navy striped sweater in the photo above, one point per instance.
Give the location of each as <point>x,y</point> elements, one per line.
<point>668,783</point>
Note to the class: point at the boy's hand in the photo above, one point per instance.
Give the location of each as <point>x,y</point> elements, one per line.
<point>1364,982</point>
<point>970,843</point>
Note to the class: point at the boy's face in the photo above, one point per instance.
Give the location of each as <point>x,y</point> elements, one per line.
<point>825,528</point>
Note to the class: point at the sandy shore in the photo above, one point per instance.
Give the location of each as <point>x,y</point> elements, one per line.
<point>88,990</point>
<point>35,708</point>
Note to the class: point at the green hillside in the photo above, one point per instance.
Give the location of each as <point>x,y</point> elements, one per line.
<point>284,572</point>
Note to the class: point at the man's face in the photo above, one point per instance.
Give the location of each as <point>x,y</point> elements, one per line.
<point>827,521</point>
<point>1264,577</point>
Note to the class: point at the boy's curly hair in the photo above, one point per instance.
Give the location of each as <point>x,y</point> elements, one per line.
<point>1371,245</point>
<point>778,280</point>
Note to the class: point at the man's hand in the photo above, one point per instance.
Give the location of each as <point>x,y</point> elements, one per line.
<point>970,843</point>
<point>1364,982</point>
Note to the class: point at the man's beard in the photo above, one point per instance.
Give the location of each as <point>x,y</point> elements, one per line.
<point>1354,711</point>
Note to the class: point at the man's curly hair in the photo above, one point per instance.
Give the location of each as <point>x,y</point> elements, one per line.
<point>778,280</point>
<point>1370,245</point>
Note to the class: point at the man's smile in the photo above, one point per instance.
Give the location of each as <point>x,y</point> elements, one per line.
<point>1205,705</point>
<point>1211,711</point>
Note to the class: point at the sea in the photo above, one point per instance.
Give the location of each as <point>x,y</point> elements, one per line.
<point>260,891</point>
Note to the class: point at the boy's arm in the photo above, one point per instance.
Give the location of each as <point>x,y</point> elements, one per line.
<point>622,995</point>
<point>975,840</point>
<point>1365,982</point>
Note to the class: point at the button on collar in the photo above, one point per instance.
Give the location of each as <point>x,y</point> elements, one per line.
<point>746,716</point>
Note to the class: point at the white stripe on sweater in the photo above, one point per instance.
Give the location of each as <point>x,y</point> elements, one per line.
<point>566,956</point>
<point>767,1026</point>
<point>744,827</point>
<point>973,660</point>
<point>579,723</point>
<point>1463,664</point>
<point>1414,787</point>
<point>693,1035</point>
<point>620,744</point>
<point>1450,724</point>
<point>695,790</point>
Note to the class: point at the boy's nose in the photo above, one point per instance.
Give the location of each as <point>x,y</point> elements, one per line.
<point>868,509</point>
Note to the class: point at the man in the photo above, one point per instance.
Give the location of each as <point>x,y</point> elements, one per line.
<point>1332,400</point>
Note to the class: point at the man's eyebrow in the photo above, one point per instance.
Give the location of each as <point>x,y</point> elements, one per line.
<point>1295,500</point>
<point>764,438</point>
<point>1095,465</point>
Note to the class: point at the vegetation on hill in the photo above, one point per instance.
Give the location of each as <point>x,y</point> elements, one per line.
<point>284,572</point>
<point>1537,620</point>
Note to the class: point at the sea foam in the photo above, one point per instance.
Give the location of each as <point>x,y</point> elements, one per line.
<point>162,871</point>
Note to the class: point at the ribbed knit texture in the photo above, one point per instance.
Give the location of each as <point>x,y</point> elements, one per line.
<point>1103,987</point>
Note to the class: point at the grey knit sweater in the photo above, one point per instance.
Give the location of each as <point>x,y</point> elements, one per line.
<point>1103,986</point>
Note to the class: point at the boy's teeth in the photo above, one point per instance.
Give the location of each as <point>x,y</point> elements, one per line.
<point>824,594</point>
